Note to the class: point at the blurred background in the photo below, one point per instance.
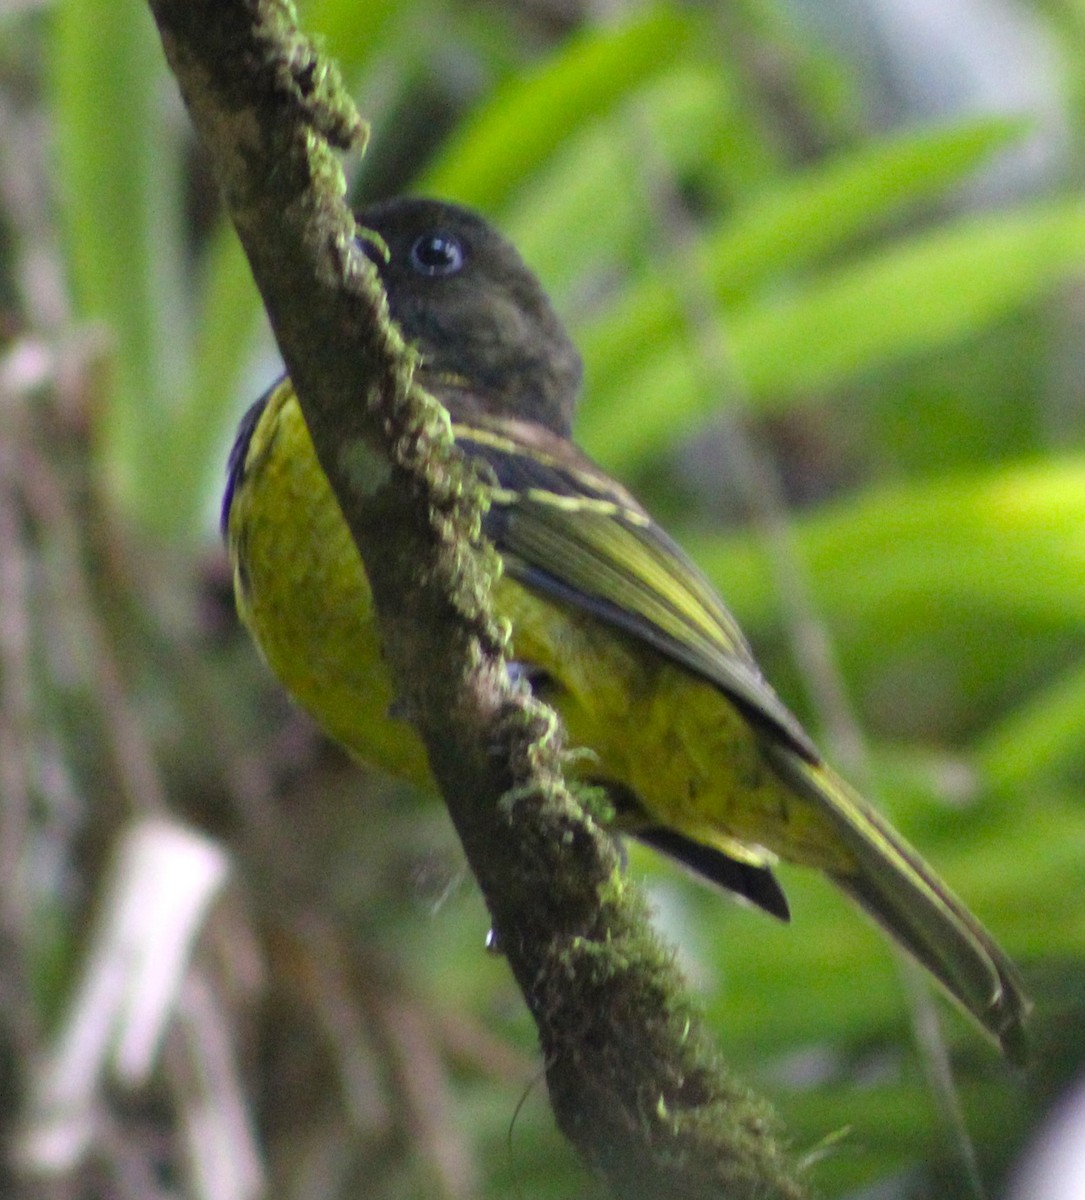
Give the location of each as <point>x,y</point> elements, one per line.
<point>826,263</point>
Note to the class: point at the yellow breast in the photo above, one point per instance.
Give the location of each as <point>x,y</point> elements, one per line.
<point>664,735</point>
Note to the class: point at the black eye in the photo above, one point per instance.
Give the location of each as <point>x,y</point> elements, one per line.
<point>437,254</point>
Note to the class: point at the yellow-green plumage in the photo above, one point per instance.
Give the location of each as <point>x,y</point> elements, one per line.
<point>618,629</point>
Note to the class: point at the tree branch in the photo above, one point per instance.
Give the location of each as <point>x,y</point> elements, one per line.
<point>633,1078</point>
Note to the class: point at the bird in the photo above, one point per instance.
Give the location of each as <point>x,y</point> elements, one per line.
<point>611,622</point>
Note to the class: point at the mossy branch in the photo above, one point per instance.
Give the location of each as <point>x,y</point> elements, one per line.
<point>634,1080</point>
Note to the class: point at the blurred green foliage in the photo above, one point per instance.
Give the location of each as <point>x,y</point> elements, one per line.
<point>914,358</point>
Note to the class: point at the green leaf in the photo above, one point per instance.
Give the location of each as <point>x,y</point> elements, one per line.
<point>1042,734</point>
<point>1010,542</point>
<point>696,124</point>
<point>556,220</point>
<point>351,31</point>
<point>798,222</point>
<point>909,299</point>
<point>119,162</point>
<point>819,211</point>
<point>529,118</point>
<point>903,301</point>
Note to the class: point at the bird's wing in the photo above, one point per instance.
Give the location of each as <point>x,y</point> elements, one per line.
<point>563,527</point>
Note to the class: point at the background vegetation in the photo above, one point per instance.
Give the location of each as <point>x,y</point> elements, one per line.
<point>832,334</point>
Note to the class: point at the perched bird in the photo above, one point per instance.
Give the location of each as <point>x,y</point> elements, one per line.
<point>611,621</point>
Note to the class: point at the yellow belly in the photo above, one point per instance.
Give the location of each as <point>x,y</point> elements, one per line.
<point>649,725</point>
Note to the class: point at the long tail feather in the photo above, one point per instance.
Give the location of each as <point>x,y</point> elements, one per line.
<point>892,883</point>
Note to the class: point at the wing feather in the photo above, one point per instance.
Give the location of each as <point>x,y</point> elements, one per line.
<point>563,527</point>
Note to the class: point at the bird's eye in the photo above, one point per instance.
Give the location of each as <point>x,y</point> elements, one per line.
<point>437,254</point>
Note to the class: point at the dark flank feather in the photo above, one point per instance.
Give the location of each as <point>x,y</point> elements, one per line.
<point>756,884</point>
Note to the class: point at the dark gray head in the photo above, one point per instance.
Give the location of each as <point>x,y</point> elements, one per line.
<point>461,293</point>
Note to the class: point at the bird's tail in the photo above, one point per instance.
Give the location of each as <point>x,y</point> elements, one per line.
<point>891,882</point>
